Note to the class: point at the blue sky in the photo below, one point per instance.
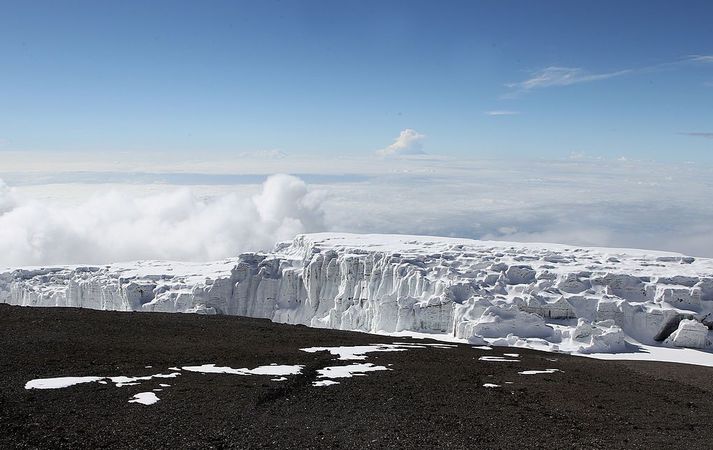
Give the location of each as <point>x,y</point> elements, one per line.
<point>323,77</point>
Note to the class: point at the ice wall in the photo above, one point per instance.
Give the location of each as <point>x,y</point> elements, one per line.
<point>560,297</point>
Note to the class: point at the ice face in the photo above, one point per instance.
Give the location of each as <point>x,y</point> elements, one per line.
<point>545,296</point>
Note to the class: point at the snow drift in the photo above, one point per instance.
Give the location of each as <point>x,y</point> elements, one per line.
<point>545,296</point>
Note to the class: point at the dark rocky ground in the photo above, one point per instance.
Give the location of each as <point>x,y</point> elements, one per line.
<point>433,398</point>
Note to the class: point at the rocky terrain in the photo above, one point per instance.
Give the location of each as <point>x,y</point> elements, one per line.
<point>436,395</point>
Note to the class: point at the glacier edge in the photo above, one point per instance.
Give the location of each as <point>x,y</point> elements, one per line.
<point>548,296</point>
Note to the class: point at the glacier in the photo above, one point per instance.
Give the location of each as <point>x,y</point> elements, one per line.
<point>546,296</point>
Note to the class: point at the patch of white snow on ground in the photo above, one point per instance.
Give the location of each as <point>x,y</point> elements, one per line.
<point>324,383</point>
<point>537,372</point>
<point>59,383</point>
<point>274,370</point>
<point>491,385</point>
<point>662,354</point>
<point>145,398</point>
<point>349,371</point>
<point>121,381</point>
<point>497,359</point>
<point>358,352</point>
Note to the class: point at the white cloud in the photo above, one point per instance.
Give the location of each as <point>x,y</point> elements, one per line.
<point>566,76</point>
<point>600,202</point>
<point>274,153</point>
<point>502,113</point>
<point>409,142</point>
<point>562,76</point>
<point>585,201</point>
<point>171,225</point>
<point>705,59</point>
<point>701,134</point>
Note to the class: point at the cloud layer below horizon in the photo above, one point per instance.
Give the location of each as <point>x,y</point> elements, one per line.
<point>589,202</point>
<point>176,224</point>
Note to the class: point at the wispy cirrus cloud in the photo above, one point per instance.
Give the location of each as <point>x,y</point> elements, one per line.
<point>701,134</point>
<point>705,59</point>
<point>562,76</point>
<point>566,76</point>
<point>502,113</point>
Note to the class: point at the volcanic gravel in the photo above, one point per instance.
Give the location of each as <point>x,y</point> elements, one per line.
<point>431,398</point>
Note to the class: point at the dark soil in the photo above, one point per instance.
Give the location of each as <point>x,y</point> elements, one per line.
<point>432,398</point>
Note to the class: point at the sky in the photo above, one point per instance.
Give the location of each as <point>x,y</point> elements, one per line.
<point>477,78</point>
<point>199,130</point>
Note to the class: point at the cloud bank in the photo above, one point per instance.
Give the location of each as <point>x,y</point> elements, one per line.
<point>409,142</point>
<point>582,201</point>
<point>176,224</point>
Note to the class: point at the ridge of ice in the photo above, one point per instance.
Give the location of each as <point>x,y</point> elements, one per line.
<point>544,296</point>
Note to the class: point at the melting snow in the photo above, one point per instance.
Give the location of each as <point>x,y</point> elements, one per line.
<point>273,370</point>
<point>349,371</point>
<point>358,352</point>
<point>497,359</point>
<point>59,383</point>
<point>145,398</point>
<point>324,383</point>
<point>536,372</point>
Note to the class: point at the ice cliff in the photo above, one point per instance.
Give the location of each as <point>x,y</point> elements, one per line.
<point>541,295</point>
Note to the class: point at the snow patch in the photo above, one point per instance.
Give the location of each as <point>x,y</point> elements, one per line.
<point>324,383</point>
<point>272,370</point>
<point>59,383</point>
<point>358,352</point>
<point>145,398</point>
<point>349,370</point>
<point>497,359</point>
<point>537,372</point>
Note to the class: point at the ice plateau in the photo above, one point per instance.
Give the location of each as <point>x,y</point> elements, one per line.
<point>546,296</point>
